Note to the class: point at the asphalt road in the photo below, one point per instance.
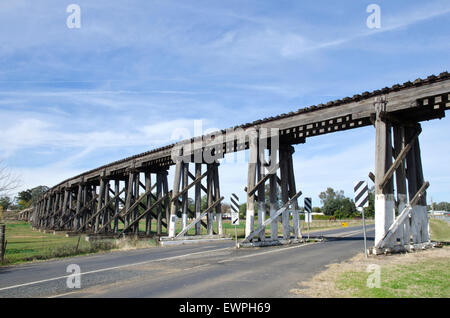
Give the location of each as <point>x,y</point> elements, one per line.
<point>202,270</point>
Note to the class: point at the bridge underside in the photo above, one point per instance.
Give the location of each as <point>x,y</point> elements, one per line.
<point>132,196</point>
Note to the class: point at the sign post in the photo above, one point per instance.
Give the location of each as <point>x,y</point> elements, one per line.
<point>361,202</point>
<point>235,213</point>
<point>308,210</point>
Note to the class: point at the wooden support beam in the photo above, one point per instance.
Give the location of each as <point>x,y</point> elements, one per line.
<point>264,179</point>
<point>251,176</point>
<point>116,205</point>
<point>148,210</point>
<point>284,172</point>
<point>98,212</point>
<point>403,215</point>
<point>218,207</point>
<point>186,189</point>
<point>292,191</point>
<point>84,208</point>
<point>198,197</point>
<point>272,217</point>
<point>174,204</point>
<point>400,158</point>
<point>197,220</point>
<point>201,185</point>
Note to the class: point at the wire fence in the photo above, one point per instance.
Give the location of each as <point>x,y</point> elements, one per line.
<point>24,244</point>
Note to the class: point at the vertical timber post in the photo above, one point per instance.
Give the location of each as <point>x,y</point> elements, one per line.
<point>184,198</point>
<point>284,172</point>
<point>210,198</point>
<point>172,223</point>
<point>198,197</point>
<point>148,218</point>
<point>424,232</point>
<point>292,192</point>
<point>384,197</point>
<point>100,200</point>
<point>135,213</point>
<point>159,210</point>
<point>260,167</point>
<point>253,157</point>
<point>217,197</point>
<point>400,180</point>
<point>273,198</point>
<point>116,205</point>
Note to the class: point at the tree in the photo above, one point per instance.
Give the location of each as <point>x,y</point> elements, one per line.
<point>346,209</point>
<point>225,208</point>
<point>30,197</point>
<point>336,204</point>
<point>8,180</point>
<point>37,192</point>
<point>316,209</point>
<point>329,194</point>
<point>5,202</point>
<point>24,196</point>
<point>441,206</point>
<point>242,210</point>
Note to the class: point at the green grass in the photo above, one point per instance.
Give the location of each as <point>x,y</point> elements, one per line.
<point>428,278</point>
<point>440,230</point>
<point>423,279</point>
<point>25,244</point>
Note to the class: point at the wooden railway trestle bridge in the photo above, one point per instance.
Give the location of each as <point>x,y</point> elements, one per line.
<point>114,198</point>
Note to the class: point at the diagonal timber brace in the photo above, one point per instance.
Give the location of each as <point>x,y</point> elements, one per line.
<point>186,189</point>
<point>403,215</point>
<point>198,219</point>
<point>263,179</point>
<point>272,217</point>
<point>400,158</point>
<point>148,210</point>
<point>99,211</point>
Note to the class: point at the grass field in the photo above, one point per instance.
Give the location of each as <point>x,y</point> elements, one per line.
<point>421,274</point>
<point>25,244</point>
<point>440,230</point>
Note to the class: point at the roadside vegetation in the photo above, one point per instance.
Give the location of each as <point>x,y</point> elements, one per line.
<point>25,244</point>
<point>440,230</point>
<point>419,274</point>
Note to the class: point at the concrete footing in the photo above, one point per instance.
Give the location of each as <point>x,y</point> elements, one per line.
<point>196,239</point>
<point>404,248</point>
<point>278,242</point>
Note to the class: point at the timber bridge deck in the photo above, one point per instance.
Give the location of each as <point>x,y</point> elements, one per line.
<point>401,105</point>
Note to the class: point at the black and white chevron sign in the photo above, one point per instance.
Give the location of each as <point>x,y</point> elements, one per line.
<point>361,194</point>
<point>234,209</point>
<point>308,205</point>
<point>234,202</point>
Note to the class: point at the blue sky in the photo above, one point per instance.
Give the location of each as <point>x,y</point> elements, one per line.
<point>75,99</point>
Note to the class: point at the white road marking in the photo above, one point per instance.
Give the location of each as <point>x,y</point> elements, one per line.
<point>170,258</point>
<point>268,252</point>
<point>62,295</point>
<point>113,268</point>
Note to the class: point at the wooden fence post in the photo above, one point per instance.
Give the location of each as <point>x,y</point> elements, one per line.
<point>2,241</point>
